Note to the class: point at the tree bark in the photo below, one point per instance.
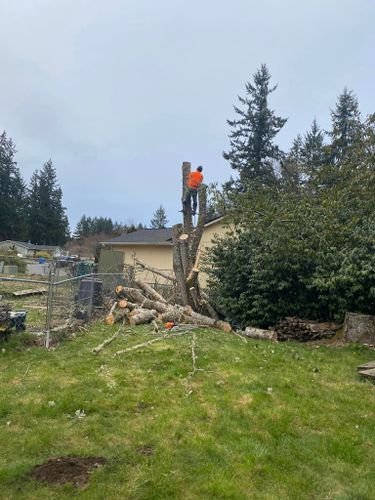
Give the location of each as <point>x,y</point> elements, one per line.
<point>149,291</point>
<point>142,316</point>
<point>258,333</point>
<point>163,274</point>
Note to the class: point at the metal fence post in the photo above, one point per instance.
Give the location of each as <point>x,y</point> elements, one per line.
<point>49,304</point>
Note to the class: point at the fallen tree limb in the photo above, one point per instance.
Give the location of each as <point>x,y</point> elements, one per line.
<point>163,274</point>
<point>258,333</point>
<point>149,342</point>
<point>137,296</point>
<point>101,346</point>
<point>150,292</point>
<point>142,316</point>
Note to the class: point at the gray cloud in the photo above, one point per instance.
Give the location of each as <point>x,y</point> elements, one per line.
<point>119,93</point>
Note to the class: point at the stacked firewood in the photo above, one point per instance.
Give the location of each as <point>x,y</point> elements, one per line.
<point>304,330</point>
<point>136,306</point>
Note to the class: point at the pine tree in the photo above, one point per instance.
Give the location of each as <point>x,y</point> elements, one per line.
<point>48,224</point>
<point>159,220</point>
<point>346,125</point>
<point>253,152</point>
<point>313,155</point>
<point>12,193</point>
<point>292,165</point>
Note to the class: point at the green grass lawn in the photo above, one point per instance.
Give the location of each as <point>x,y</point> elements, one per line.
<point>261,420</point>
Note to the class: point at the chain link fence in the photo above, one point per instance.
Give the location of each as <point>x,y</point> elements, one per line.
<point>58,303</point>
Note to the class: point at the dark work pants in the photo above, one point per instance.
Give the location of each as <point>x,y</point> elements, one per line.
<point>189,194</point>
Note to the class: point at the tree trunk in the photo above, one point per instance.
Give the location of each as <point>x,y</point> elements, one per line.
<point>149,291</point>
<point>142,316</point>
<point>258,333</point>
<point>186,256</point>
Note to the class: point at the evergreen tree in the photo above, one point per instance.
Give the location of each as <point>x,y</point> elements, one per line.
<point>159,220</point>
<point>12,193</point>
<point>313,155</point>
<point>291,166</point>
<point>253,152</point>
<point>48,224</point>
<point>346,126</point>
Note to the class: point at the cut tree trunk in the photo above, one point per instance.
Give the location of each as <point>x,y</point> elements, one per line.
<point>137,296</point>
<point>150,292</point>
<point>142,316</point>
<point>258,333</point>
<point>186,256</point>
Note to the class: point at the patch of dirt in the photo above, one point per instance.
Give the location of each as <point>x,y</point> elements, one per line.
<point>146,449</point>
<point>142,406</point>
<point>245,400</point>
<point>64,470</point>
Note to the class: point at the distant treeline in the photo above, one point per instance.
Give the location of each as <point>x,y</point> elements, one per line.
<point>90,226</point>
<point>31,211</point>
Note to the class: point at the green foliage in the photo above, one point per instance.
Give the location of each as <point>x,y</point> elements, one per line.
<point>91,226</point>
<point>308,251</point>
<point>159,220</point>
<point>41,253</point>
<point>253,152</point>
<point>346,126</point>
<point>12,193</point>
<point>47,221</point>
<point>13,260</point>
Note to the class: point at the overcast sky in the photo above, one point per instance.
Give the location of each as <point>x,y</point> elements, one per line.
<point>118,92</point>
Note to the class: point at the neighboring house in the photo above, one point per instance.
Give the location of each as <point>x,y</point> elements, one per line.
<point>28,249</point>
<point>154,246</point>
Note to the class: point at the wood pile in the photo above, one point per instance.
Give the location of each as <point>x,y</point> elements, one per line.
<point>137,306</point>
<point>304,330</point>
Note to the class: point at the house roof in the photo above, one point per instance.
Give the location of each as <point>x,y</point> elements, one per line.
<point>144,237</point>
<point>31,246</point>
<point>149,236</point>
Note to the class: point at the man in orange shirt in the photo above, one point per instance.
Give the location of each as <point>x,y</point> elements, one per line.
<point>194,181</point>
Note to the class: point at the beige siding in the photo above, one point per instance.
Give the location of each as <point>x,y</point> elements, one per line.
<point>158,256</point>
<point>161,256</point>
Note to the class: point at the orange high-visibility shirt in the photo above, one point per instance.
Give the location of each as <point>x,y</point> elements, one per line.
<point>194,180</point>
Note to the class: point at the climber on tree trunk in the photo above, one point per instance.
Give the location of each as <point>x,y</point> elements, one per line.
<point>194,181</point>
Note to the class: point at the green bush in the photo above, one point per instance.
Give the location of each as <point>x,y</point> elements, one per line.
<point>13,260</point>
<point>41,253</point>
<point>307,253</point>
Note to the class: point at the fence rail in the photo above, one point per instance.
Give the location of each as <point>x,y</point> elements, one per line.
<point>73,300</point>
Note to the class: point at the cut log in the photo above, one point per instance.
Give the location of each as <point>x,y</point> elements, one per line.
<point>120,315</point>
<point>175,314</point>
<point>359,328</point>
<point>199,319</point>
<point>137,296</point>
<point>258,333</point>
<point>163,274</point>
<point>367,366</point>
<point>150,292</point>
<point>142,316</point>
<point>110,318</point>
<point>122,304</point>
<point>368,373</point>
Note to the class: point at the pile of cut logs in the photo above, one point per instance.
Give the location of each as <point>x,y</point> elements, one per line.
<point>141,305</point>
<point>304,330</point>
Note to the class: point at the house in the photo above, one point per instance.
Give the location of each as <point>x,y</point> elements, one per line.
<point>29,249</point>
<point>154,246</point>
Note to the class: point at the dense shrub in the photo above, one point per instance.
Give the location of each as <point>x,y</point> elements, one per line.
<point>13,260</point>
<point>305,252</point>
